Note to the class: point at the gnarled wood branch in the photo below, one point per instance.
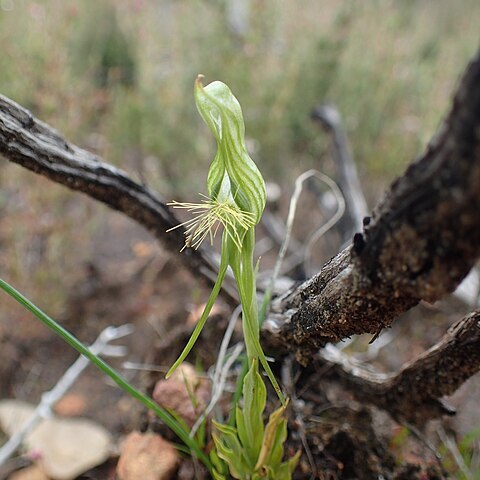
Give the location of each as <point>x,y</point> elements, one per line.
<point>414,394</point>
<point>421,241</point>
<point>38,147</point>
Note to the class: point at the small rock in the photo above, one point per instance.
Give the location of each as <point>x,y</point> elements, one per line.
<point>64,448</point>
<point>174,394</point>
<point>69,447</point>
<point>71,405</point>
<point>30,473</point>
<point>147,456</point>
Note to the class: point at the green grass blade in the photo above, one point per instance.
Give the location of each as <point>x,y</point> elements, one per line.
<point>166,417</point>
<point>201,323</point>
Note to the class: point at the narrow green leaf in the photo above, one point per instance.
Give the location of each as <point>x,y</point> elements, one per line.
<point>229,450</point>
<point>165,416</point>
<point>282,473</point>
<point>241,430</point>
<point>218,464</point>
<point>225,429</point>
<point>201,323</point>
<point>293,462</point>
<point>254,400</point>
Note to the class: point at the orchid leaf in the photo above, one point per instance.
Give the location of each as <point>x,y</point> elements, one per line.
<point>201,323</point>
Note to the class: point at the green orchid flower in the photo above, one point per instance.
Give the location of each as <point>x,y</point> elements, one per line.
<point>236,200</point>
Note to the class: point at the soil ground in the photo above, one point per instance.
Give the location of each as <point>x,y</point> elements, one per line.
<point>131,280</point>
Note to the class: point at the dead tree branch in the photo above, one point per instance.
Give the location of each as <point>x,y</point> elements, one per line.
<point>419,244</point>
<point>38,147</point>
<point>356,206</point>
<point>414,394</point>
<point>421,241</point>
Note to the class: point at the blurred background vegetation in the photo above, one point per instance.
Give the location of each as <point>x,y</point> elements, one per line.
<point>116,77</point>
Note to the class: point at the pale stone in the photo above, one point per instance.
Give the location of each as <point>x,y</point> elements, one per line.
<point>30,473</point>
<point>65,448</point>
<point>147,456</point>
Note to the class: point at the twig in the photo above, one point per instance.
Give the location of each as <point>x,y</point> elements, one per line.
<point>420,436</point>
<point>50,398</point>
<point>323,229</point>
<point>275,227</point>
<point>27,141</point>
<point>225,342</point>
<point>222,368</point>
<point>217,393</point>
<point>414,394</point>
<point>356,205</point>
<point>451,445</point>
<point>421,241</point>
<point>289,385</point>
<point>292,209</point>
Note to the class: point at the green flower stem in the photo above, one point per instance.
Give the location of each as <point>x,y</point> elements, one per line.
<point>239,383</point>
<point>242,266</point>
<point>164,415</point>
<point>243,269</point>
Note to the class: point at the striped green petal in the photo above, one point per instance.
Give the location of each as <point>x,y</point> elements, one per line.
<point>233,175</point>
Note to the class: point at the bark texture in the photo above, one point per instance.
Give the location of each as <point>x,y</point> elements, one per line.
<point>414,393</point>
<point>420,242</point>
